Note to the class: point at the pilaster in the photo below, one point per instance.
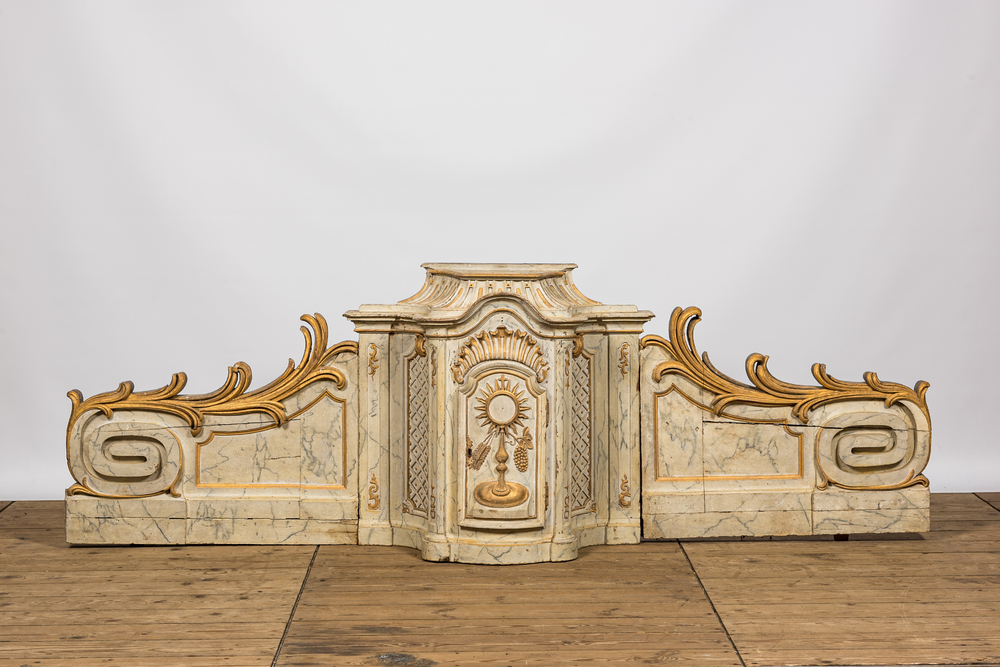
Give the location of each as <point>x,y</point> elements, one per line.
<point>624,524</point>
<point>373,438</point>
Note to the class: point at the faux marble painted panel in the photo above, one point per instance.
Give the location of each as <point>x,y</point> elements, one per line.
<point>243,508</point>
<point>740,449</point>
<point>678,440</point>
<point>832,498</point>
<point>256,459</point>
<point>758,501</point>
<point>872,521</point>
<point>685,502</point>
<point>306,451</point>
<point>156,507</point>
<point>329,510</point>
<point>727,501</point>
<point>270,531</point>
<point>323,456</point>
<point>126,530</point>
<point>723,524</point>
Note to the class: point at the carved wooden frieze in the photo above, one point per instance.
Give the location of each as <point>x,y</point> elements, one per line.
<point>498,416</point>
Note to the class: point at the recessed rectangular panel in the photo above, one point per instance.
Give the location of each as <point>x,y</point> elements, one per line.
<point>678,438</point>
<point>739,449</point>
<point>307,451</point>
<point>503,457</point>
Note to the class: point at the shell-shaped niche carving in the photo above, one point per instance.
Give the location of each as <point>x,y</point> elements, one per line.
<point>501,343</point>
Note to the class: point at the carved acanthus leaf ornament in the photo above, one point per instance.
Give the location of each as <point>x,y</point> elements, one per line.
<point>768,391</point>
<point>232,397</point>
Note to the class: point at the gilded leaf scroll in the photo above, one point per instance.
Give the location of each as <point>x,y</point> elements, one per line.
<point>232,397</point>
<point>768,391</point>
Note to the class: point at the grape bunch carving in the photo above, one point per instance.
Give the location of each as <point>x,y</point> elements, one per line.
<point>521,451</point>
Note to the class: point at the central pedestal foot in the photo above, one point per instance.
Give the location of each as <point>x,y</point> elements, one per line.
<point>513,495</point>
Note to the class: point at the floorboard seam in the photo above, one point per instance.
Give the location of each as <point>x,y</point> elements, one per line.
<point>291,615</point>
<point>712,604</point>
<point>977,496</point>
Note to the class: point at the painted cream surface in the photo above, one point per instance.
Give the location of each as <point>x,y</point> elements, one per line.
<point>616,454</point>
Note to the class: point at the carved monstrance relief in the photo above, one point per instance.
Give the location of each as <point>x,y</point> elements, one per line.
<point>503,414</point>
<point>502,409</point>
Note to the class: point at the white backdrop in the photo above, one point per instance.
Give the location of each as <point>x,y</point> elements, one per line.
<point>179,181</point>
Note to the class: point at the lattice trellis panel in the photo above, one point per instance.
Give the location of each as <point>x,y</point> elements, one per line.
<point>581,435</point>
<point>417,435</point>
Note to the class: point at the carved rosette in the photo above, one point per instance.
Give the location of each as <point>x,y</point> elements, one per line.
<point>872,434</point>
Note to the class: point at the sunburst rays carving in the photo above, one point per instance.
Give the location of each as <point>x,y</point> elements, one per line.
<point>502,409</point>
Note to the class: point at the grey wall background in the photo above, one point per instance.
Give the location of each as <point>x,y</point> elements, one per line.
<point>180,181</point>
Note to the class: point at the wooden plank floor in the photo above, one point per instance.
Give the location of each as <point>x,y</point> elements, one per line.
<point>932,599</point>
<point>613,605</point>
<point>138,606</point>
